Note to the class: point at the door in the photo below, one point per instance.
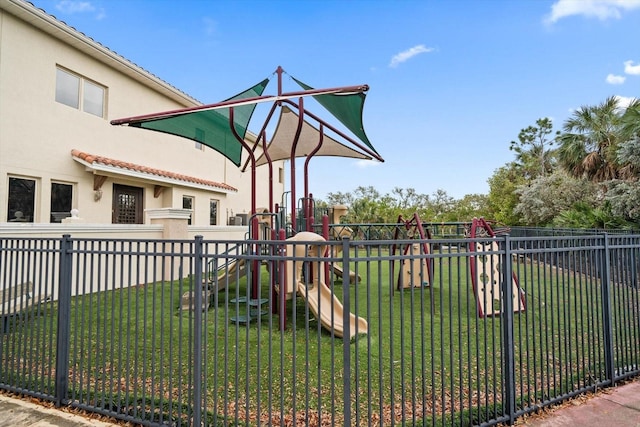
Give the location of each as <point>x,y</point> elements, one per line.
<point>127,205</point>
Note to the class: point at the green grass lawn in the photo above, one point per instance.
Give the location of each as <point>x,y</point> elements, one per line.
<point>426,355</point>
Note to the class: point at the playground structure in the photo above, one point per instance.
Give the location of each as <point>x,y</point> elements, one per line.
<point>311,286</point>
<point>219,125</point>
<point>223,127</point>
<point>416,272</point>
<point>485,272</point>
<point>338,232</point>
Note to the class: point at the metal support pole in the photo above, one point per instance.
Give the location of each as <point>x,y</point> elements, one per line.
<point>506,313</point>
<point>346,336</point>
<point>197,331</point>
<point>610,369</point>
<point>63,343</point>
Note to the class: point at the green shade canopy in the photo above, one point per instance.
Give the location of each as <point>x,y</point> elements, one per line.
<point>345,107</point>
<point>210,126</point>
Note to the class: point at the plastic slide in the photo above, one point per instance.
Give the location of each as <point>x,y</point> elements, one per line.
<point>329,310</point>
<point>337,269</point>
<point>229,276</point>
<point>324,305</point>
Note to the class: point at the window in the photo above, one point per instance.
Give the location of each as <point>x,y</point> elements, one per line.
<point>187,203</point>
<point>67,89</point>
<point>93,99</point>
<point>127,205</point>
<point>280,175</point>
<point>78,92</point>
<point>22,196</point>
<point>61,198</point>
<point>213,212</point>
<point>199,139</point>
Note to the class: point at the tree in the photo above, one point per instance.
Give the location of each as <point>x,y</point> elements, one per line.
<point>339,198</point>
<point>584,215</point>
<point>503,198</point>
<point>623,198</point>
<point>630,121</point>
<point>587,147</point>
<point>533,149</point>
<point>470,206</point>
<point>547,196</point>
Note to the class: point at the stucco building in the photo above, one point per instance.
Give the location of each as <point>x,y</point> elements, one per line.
<point>59,90</point>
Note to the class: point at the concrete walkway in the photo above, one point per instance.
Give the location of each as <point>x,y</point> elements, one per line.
<point>618,406</point>
<point>21,413</point>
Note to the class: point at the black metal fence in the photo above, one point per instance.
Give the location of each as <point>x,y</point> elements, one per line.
<point>307,332</point>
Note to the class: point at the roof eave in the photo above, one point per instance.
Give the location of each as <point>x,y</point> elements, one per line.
<point>58,29</point>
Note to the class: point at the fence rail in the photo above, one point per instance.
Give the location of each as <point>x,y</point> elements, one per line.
<point>313,332</point>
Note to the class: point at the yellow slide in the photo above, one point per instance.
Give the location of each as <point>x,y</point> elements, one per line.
<point>329,310</point>
<point>353,277</point>
<point>229,276</point>
<point>324,305</point>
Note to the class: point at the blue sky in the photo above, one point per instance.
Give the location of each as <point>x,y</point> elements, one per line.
<point>451,82</point>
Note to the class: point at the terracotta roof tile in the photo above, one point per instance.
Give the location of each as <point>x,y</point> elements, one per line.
<point>94,159</point>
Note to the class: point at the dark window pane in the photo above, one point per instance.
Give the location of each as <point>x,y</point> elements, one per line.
<point>187,203</point>
<point>22,193</point>
<point>61,197</point>
<point>213,212</point>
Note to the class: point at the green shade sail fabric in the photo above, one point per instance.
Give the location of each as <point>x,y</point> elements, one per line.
<point>211,127</point>
<point>345,107</point>
<point>210,124</point>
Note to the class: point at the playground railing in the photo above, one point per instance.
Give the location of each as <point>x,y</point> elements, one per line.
<point>340,332</point>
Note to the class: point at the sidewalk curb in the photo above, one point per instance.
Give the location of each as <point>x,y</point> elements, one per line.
<point>17,412</point>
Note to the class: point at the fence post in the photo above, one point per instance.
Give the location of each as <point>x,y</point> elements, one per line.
<point>63,342</point>
<point>507,333</point>
<point>346,333</point>
<point>197,331</point>
<point>610,369</point>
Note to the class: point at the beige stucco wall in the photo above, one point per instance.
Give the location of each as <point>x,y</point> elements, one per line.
<point>85,230</point>
<point>37,133</point>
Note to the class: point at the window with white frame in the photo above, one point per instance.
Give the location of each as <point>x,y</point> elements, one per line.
<point>22,196</point>
<point>79,92</point>
<point>213,212</point>
<point>187,203</point>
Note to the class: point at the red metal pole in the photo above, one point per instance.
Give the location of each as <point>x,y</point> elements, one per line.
<point>293,163</point>
<point>253,227</point>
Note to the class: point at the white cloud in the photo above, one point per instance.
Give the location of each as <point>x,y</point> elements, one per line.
<point>361,164</point>
<point>75,6</point>
<point>612,79</point>
<point>600,9</point>
<point>629,68</point>
<point>408,54</point>
<point>79,6</point>
<point>624,101</point>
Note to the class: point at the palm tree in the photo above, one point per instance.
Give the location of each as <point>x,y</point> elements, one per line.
<point>590,138</point>
<point>631,121</point>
